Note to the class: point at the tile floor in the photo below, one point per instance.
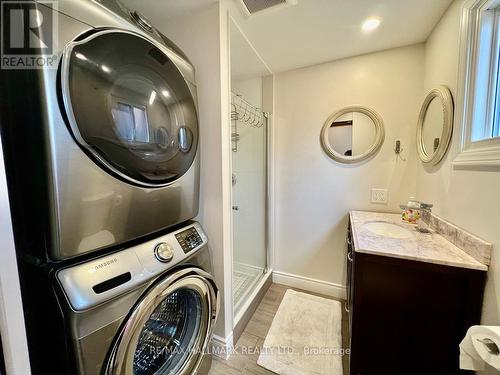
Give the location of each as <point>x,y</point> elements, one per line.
<point>255,334</point>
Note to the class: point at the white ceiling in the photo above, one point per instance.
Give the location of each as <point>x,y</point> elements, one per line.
<point>316,31</point>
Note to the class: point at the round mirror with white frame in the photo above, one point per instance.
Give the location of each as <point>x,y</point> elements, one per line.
<point>352,134</point>
<point>435,125</point>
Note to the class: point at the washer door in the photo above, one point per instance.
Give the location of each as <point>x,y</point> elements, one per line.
<point>169,329</point>
<point>129,107</point>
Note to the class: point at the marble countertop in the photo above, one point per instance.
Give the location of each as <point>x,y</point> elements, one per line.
<point>423,247</point>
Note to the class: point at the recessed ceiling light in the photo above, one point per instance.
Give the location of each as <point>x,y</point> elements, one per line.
<point>370,24</point>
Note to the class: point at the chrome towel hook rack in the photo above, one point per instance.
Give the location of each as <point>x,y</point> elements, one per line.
<point>246,113</point>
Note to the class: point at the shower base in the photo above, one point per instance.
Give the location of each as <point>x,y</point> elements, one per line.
<point>245,277</point>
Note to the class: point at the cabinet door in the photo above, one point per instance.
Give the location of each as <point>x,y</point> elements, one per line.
<point>409,317</point>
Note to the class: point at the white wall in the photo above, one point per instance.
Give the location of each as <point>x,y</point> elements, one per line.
<point>468,198</point>
<point>250,88</point>
<point>314,194</point>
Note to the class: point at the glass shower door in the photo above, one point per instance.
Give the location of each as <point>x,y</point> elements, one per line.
<point>249,180</point>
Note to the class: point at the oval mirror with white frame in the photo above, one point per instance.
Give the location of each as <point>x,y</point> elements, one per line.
<point>435,125</point>
<point>352,134</point>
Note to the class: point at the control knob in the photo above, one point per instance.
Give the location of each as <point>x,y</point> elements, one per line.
<point>164,252</point>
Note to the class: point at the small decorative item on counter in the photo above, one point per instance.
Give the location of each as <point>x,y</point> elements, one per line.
<point>410,216</point>
<point>411,212</point>
<point>419,213</point>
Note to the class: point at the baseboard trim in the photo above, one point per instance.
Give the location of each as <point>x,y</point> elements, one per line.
<point>222,347</point>
<point>310,285</point>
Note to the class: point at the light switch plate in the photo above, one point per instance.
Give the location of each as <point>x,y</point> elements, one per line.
<point>379,196</point>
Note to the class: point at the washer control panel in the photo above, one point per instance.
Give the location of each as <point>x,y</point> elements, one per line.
<point>99,280</point>
<point>189,239</point>
<point>164,252</point>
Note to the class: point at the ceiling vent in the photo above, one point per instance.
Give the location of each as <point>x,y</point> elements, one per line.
<point>251,7</point>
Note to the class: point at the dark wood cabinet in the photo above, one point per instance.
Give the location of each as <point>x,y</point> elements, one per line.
<point>408,317</point>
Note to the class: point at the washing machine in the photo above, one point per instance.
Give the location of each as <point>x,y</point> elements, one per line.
<point>114,127</point>
<point>147,309</point>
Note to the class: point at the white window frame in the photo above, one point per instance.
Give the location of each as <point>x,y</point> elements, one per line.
<point>479,47</point>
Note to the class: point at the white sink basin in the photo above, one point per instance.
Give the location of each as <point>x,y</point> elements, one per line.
<point>385,229</point>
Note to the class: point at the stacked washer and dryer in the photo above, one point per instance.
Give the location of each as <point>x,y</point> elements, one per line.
<point>103,171</point>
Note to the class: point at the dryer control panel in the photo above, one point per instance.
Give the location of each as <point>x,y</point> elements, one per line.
<point>96,281</point>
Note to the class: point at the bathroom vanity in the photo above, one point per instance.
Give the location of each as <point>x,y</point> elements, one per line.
<point>411,297</point>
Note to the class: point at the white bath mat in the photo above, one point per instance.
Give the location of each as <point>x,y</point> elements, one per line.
<point>305,337</point>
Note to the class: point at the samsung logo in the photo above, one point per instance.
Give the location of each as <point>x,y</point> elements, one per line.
<point>105,264</point>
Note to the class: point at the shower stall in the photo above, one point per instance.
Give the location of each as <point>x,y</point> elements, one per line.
<point>252,90</point>
<point>249,137</point>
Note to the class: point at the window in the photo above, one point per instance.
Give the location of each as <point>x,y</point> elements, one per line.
<point>496,105</point>
<point>480,83</point>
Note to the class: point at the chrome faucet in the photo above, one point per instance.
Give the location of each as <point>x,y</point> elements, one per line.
<point>423,223</point>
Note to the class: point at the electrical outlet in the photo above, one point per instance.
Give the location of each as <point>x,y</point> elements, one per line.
<point>379,196</point>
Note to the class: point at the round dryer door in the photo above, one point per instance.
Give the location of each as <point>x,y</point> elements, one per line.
<point>168,331</point>
<point>129,107</point>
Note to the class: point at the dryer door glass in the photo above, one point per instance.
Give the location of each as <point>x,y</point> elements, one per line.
<point>129,107</point>
<point>169,335</point>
